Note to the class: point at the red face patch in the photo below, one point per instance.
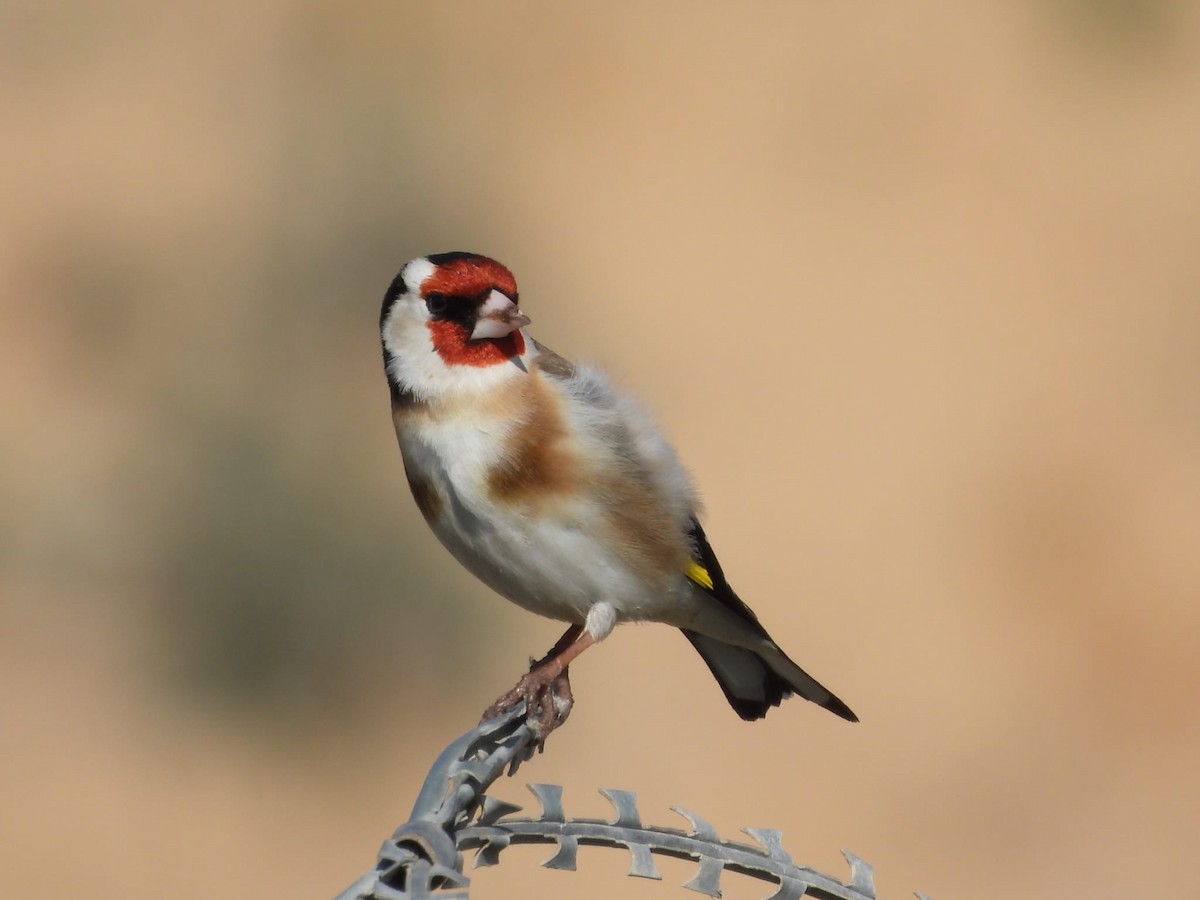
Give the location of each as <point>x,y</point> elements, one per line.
<point>470,276</point>
<point>452,342</point>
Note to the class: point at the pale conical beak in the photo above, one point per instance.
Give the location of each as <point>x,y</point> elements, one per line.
<point>498,317</point>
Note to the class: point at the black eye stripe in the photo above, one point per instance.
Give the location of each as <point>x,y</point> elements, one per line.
<point>455,307</point>
<point>452,308</point>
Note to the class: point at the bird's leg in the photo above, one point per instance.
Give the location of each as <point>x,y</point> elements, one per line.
<point>568,638</point>
<point>538,680</point>
<point>546,688</point>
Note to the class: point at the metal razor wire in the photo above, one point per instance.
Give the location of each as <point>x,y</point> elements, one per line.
<point>423,859</point>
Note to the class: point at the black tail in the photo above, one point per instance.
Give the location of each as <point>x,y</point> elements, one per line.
<point>752,687</point>
<point>753,681</point>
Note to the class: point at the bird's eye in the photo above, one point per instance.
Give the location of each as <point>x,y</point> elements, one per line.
<point>436,304</point>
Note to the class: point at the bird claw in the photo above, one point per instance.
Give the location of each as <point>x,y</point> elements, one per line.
<point>548,701</point>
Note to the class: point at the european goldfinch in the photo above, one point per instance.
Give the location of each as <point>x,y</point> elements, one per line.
<point>557,491</point>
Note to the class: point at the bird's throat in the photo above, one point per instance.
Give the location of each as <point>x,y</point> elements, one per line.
<point>453,344</point>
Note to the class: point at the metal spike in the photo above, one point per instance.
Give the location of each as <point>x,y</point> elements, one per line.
<point>921,896</point>
<point>489,853</point>
<point>790,889</point>
<point>568,850</point>
<point>707,879</point>
<point>550,798</point>
<point>642,865</point>
<point>492,810</point>
<point>625,804</point>
<point>772,841</point>
<point>701,829</point>
<point>862,875</point>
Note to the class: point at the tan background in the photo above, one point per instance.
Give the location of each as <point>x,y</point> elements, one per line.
<point>915,287</point>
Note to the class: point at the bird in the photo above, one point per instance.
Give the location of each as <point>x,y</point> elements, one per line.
<point>558,490</point>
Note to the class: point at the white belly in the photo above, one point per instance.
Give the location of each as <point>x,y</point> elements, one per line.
<point>551,562</point>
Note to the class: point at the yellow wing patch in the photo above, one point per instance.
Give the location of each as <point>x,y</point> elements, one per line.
<point>699,574</point>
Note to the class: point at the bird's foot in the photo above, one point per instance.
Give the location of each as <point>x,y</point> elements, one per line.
<point>546,690</point>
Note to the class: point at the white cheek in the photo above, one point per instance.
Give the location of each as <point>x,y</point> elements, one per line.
<point>415,274</point>
<point>407,341</point>
<point>415,364</point>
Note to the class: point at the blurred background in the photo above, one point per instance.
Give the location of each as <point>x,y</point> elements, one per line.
<point>914,287</point>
